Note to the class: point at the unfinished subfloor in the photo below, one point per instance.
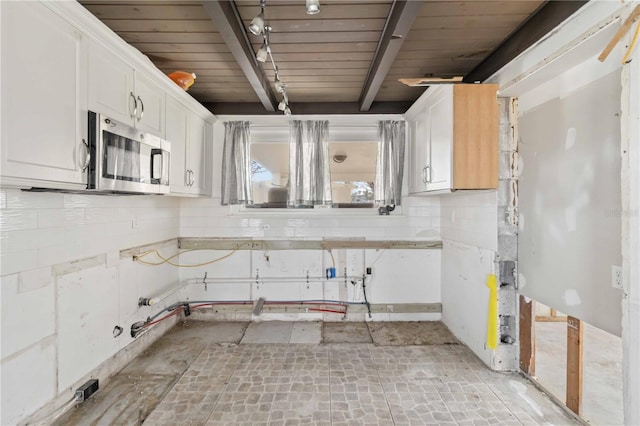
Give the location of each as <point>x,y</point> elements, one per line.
<point>602,370</point>
<point>277,373</point>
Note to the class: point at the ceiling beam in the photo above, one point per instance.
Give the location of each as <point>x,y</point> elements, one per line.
<point>308,108</point>
<point>549,16</point>
<point>396,28</point>
<point>226,18</point>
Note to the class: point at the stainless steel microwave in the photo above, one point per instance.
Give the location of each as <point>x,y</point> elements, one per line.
<point>124,159</point>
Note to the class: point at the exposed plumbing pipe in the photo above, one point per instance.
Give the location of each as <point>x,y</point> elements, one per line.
<point>150,301</point>
<point>230,280</point>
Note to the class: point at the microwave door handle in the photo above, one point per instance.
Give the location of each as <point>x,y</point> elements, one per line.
<point>156,172</point>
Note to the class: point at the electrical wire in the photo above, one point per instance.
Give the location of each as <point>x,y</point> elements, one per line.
<point>632,44</point>
<point>364,292</point>
<point>167,260</point>
<point>176,311</point>
<point>333,261</point>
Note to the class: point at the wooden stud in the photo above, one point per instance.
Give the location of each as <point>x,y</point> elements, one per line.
<point>635,14</point>
<point>527,337</point>
<point>574,364</point>
<point>552,317</point>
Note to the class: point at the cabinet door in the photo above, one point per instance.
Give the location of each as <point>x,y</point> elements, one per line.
<point>197,154</point>
<point>43,92</point>
<point>110,84</point>
<point>418,154</point>
<point>176,134</point>
<point>440,130</point>
<point>150,99</point>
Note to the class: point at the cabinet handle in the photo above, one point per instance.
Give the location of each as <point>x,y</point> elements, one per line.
<point>193,178</point>
<point>428,174</point>
<point>186,177</point>
<point>424,174</point>
<point>141,108</point>
<point>133,114</point>
<point>87,158</point>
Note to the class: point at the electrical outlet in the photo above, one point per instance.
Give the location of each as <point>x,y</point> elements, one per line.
<point>616,276</point>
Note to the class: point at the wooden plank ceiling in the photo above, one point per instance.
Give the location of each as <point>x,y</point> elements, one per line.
<point>323,58</point>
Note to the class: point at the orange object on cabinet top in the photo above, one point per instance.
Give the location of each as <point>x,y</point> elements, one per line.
<point>183,79</point>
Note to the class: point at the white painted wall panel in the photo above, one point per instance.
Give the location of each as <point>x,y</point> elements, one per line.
<point>403,276</point>
<point>465,295</point>
<point>570,218</point>
<point>38,305</point>
<point>28,381</point>
<point>87,312</point>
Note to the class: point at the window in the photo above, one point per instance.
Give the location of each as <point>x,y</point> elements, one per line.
<point>352,166</point>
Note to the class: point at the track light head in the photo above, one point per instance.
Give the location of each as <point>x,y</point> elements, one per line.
<point>313,7</point>
<point>287,111</point>
<point>282,105</point>
<point>256,27</point>
<point>261,55</point>
<point>280,88</point>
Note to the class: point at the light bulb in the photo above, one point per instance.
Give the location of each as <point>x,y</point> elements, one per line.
<point>256,27</point>
<point>313,7</point>
<point>261,56</point>
<point>282,105</point>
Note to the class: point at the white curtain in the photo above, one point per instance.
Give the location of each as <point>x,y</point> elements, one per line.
<point>389,162</point>
<point>236,164</point>
<point>309,175</point>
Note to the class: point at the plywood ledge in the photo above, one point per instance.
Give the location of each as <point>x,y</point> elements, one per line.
<point>254,244</point>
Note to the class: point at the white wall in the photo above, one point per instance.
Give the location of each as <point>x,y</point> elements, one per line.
<point>469,227</point>
<point>570,222</point>
<point>64,287</point>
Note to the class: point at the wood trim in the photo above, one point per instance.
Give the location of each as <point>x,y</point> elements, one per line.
<point>574,364</point>
<point>527,337</point>
<point>635,13</point>
<point>475,136</point>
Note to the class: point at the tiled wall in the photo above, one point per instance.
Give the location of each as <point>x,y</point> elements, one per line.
<point>64,286</point>
<point>419,218</point>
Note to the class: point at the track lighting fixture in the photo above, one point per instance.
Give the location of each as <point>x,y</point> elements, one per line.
<point>259,27</point>
<point>262,54</point>
<point>256,27</point>
<point>313,7</point>
<point>280,88</point>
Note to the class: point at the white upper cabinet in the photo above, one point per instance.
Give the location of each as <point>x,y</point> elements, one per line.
<point>43,92</point>
<point>191,137</point>
<point>453,139</point>
<point>123,93</point>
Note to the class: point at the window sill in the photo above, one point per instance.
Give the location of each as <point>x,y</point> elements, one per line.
<point>310,212</point>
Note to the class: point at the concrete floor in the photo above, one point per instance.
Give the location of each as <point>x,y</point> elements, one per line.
<point>277,373</point>
<point>602,370</point>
